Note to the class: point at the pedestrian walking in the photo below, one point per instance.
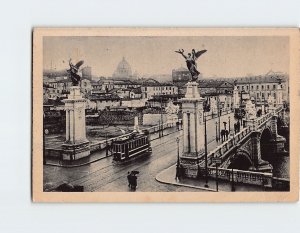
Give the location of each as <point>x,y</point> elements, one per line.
<point>133,182</point>
<point>226,133</point>
<point>129,179</point>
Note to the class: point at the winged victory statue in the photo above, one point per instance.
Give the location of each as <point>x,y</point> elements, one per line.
<point>73,72</point>
<point>190,60</point>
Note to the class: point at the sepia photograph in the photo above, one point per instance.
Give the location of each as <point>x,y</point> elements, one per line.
<point>164,115</point>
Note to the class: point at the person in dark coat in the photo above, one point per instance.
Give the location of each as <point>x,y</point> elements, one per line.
<point>133,182</point>
<point>129,179</point>
<point>226,133</point>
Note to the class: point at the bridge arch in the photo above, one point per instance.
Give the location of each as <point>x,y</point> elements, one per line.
<point>266,143</point>
<point>241,160</point>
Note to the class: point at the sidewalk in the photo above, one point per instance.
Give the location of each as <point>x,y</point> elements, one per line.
<point>94,157</point>
<point>167,176</point>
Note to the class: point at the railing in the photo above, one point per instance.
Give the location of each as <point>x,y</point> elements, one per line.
<point>241,176</point>
<point>222,149</point>
<point>257,123</point>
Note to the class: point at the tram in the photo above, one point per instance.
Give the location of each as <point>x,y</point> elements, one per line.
<point>131,146</point>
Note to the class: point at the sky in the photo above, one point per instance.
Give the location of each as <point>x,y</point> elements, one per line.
<point>225,56</point>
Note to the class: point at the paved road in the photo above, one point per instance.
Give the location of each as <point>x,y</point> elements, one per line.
<point>104,175</point>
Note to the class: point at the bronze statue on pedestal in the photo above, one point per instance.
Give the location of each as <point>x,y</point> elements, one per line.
<point>191,59</point>
<point>73,72</point>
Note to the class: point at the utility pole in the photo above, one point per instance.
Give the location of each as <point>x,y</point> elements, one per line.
<point>161,116</point>
<point>217,131</point>
<point>219,117</point>
<point>205,137</point>
<point>106,148</point>
<point>178,171</point>
<point>44,150</point>
<point>217,182</point>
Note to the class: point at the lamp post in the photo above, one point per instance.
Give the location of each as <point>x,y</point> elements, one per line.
<point>218,115</point>
<point>232,160</point>
<point>232,180</point>
<point>241,114</point>
<point>161,117</point>
<point>178,175</point>
<point>205,147</point>
<point>217,139</point>
<point>44,150</point>
<point>229,123</point>
<point>217,162</point>
<point>106,148</point>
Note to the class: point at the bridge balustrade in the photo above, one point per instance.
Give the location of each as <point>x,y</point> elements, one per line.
<point>241,176</point>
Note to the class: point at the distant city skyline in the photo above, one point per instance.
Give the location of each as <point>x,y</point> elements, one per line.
<point>226,56</point>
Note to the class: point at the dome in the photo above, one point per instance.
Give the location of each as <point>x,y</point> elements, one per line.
<point>123,70</point>
<point>181,69</point>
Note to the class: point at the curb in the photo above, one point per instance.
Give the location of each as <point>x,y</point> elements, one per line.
<point>77,165</point>
<point>181,184</point>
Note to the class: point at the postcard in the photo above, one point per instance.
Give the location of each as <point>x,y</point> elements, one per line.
<point>165,115</point>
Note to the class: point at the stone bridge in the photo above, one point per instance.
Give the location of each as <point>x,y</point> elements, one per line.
<point>242,155</point>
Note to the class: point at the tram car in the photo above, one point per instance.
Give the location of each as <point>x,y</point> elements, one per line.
<point>131,146</point>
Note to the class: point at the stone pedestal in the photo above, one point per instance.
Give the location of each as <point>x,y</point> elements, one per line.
<point>193,130</point>
<point>76,145</point>
<point>259,164</point>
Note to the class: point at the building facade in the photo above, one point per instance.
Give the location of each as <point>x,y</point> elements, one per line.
<point>260,88</point>
<point>153,88</point>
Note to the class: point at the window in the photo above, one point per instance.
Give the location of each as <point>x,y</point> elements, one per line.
<point>257,87</point>
<point>257,94</point>
<point>274,87</point>
<point>251,88</point>
<point>262,87</point>
<point>268,87</point>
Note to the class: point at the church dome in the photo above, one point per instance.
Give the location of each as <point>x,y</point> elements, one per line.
<point>123,70</point>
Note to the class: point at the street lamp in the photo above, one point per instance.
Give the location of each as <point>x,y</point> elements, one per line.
<point>217,131</point>
<point>44,150</point>
<point>229,123</point>
<point>178,175</point>
<point>106,145</point>
<point>241,114</point>
<point>232,174</point>
<point>205,144</point>
<point>161,117</point>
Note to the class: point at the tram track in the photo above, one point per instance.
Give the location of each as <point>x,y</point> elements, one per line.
<point>107,175</point>
<point>107,169</point>
<point>120,173</point>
